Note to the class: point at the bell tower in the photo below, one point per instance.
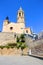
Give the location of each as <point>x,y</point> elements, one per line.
<point>20,16</point>
<point>5,23</point>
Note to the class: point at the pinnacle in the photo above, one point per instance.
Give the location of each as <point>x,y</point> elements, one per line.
<point>20,8</point>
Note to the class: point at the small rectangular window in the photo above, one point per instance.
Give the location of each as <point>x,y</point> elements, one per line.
<point>26,31</point>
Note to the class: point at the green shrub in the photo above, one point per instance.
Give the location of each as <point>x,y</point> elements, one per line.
<point>22,38</point>
<point>11,44</point>
<point>1,47</point>
<point>18,39</point>
<point>7,47</point>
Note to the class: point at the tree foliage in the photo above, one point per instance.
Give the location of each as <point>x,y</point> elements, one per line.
<point>21,42</point>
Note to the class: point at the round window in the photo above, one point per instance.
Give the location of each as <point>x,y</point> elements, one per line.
<point>11,28</point>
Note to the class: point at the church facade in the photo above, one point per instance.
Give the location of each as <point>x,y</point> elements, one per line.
<point>18,27</point>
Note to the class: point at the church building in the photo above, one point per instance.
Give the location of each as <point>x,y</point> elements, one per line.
<point>18,27</point>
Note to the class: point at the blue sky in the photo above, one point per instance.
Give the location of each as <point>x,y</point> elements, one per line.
<point>33,10</point>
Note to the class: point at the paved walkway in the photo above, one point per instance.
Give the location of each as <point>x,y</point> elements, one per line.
<point>20,60</point>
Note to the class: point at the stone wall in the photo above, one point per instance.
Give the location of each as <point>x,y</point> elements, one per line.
<point>13,51</point>
<point>7,37</point>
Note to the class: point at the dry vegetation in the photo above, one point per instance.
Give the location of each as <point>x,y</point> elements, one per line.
<point>38,50</point>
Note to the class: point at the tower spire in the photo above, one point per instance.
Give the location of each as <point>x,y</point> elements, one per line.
<point>20,8</point>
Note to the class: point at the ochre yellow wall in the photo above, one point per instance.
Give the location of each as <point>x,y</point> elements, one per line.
<point>29,30</point>
<point>17,27</point>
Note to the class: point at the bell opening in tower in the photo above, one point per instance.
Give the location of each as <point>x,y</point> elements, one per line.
<point>19,14</point>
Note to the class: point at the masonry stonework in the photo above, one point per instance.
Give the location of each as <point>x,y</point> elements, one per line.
<point>7,37</point>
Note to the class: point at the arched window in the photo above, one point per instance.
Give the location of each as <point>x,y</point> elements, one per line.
<point>26,31</point>
<point>19,14</point>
